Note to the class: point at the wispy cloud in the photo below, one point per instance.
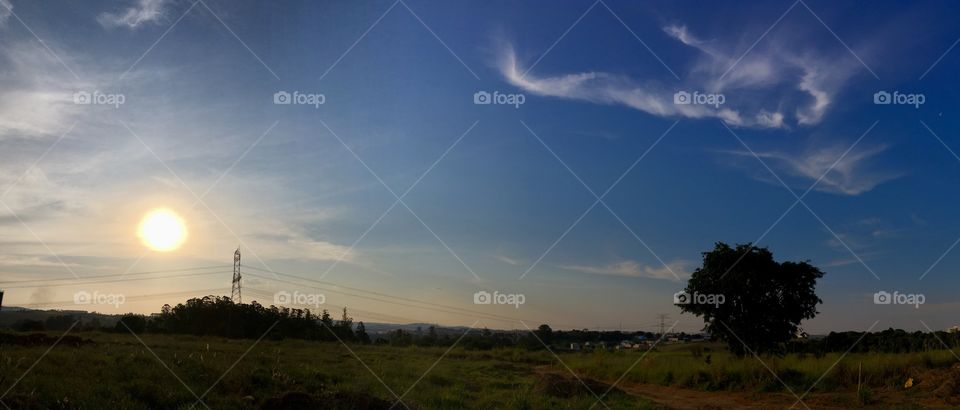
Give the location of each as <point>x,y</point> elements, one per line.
<point>85,198</point>
<point>855,174</point>
<point>287,238</point>
<point>35,261</point>
<point>144,11</point>
<point>773,67</point>
<point>507,260</point>
<point>852,260</point>
<point>37,93</point>
<point>634,269</point>
<point>798,86</point>
<point>606,88</point>
<point>6,10</point>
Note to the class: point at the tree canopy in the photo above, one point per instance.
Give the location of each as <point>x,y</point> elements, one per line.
<point>754,303</point>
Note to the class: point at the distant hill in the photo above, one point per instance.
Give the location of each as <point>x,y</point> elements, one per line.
<point>13,314</point>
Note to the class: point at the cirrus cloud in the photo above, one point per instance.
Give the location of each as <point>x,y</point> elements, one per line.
<point>771,86</point>
<point>632,269</point>
<point>144,11</point>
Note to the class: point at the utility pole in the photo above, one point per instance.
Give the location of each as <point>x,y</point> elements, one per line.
<point>235,289</point>
<point>1,299</point>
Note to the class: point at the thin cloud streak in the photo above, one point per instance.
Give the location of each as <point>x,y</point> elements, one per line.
<point>633,269</point>
<point>853,175</point>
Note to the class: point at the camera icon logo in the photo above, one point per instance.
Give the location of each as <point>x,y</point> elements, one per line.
<point>882,97</point>
<point>681,98</point>
<point>82,298</point>
<point>482,298</point>
<point>681,298</point>
<point>882,298</point>
<point>282,97</point>
<point>81,97</point>
<point>282,298</point>
<point>482,97</point>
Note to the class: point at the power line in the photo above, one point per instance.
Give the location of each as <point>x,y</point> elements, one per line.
<point>114,275</point>
<point>119,280</point>
<point>127,298</point>
<point>435,306</point>
<point>372,292</point>
<point>374,315</point>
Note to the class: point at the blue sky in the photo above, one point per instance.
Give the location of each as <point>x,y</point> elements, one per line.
<point>297,186</point>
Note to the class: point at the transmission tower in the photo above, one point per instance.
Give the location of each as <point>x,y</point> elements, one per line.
<point>235,289</point>
<point>662,318</point>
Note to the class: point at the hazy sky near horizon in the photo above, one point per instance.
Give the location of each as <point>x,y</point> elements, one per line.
<point>494,197</point>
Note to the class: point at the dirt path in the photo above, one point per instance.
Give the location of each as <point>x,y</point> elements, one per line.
<point>688,399</point>
<point>677,398</point>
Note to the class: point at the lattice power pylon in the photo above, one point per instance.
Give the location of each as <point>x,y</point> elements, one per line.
<point>235,290</point>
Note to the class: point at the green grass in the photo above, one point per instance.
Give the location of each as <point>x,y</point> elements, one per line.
<point>678,365</point>
<point>119,372</point>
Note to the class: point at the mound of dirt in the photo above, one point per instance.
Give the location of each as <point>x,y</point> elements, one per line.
<point>333,401</point>
<point>942,383</point>
<point>563,386</point>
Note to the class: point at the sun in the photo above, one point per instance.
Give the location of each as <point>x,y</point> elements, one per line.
<point>162,230</point>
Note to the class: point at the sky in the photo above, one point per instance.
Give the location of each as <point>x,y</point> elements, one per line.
<point>576,156</point>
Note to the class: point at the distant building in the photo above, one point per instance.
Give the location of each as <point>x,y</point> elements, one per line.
<point>575,347</point>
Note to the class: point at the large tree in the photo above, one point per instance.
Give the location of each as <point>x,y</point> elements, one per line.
<point>749,300</point>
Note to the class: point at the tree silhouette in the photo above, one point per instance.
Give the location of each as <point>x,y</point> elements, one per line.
<point>545,333</point>
<point>361,333</point>
<point>749,300</point>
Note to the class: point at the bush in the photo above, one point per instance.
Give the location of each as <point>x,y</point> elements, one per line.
<point>865,396</point>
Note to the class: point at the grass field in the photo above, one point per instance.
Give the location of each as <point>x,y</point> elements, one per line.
<point>686,365</point>
<point>118,371</point>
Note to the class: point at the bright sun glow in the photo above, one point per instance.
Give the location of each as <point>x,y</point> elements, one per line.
<point>162,230</point>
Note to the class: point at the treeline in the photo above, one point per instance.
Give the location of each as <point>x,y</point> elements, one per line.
<point>887,341</point>
<point>476,339</point>
<point>220,316</point>
<point>486,339</point>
